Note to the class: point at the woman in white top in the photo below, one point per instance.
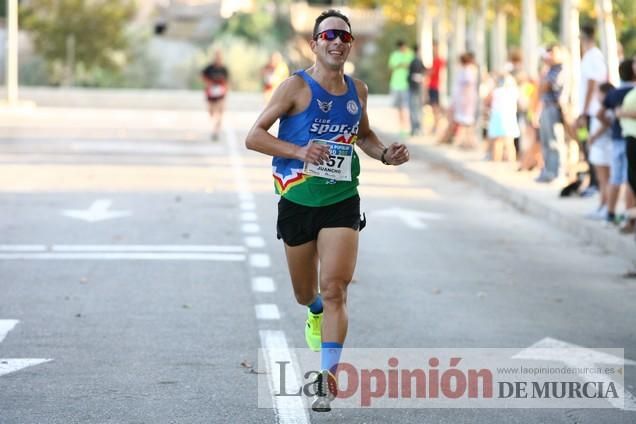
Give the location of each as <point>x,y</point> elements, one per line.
<point>463,106</point>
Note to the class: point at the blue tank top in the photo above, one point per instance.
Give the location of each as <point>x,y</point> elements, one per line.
<point>328,117</point>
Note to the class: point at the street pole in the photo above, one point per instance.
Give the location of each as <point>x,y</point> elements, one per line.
<point>12,53</point>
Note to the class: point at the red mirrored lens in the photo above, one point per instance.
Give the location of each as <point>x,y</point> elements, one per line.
<point>331,35</point>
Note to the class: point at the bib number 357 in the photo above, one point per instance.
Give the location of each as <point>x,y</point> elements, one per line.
<point>338,167</point>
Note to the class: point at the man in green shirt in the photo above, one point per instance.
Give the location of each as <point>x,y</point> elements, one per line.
<point>399,62</point>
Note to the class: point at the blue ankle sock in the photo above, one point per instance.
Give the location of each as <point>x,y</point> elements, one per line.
<point>330,355</point>
<point>316,305</point>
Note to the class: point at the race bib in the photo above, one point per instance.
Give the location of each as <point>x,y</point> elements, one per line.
<point>338,167</point>
<point>216,90</point>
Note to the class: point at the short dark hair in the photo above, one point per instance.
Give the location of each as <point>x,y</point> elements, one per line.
<point>588,31</point>
<point>626,70</point>
<point>605,87</point>
<point>400,43</point>
<point>328,14</point>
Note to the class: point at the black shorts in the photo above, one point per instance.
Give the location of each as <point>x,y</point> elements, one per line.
<point>298,224</point>
<point>433,96</point>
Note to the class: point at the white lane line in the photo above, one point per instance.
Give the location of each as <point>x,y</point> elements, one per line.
<point>246,195</point>
<point>250,228</point>
<point>248,206</point>
<point>259,260</point>
<point>248,216</point>
<point>23,248</point>
<point>8,365</point>
<point>6,325</point>
<point>120,248</point>
<point>182,248</point>
<point>263,285</point>
<point>254,242</point>
<point>266,311</point>
<point>109,256</point>
<point>288,409</point>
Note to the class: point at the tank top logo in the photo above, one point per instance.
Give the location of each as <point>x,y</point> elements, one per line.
<point>352,107</point>
<point>324,106</point>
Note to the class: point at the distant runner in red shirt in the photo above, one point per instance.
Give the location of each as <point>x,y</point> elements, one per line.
<point>433,85</point>
<point>215,78</point>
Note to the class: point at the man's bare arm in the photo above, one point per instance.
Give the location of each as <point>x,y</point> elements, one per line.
<point>283,102</point>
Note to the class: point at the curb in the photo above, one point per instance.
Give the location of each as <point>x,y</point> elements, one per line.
<point>588,232</point>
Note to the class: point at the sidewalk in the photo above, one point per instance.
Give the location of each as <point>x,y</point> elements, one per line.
<point>521,191</point>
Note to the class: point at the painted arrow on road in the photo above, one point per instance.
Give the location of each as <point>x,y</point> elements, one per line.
<point>412,218</point>
<point>8,365</point>
<point>575,356</point>
<point>98,211</point>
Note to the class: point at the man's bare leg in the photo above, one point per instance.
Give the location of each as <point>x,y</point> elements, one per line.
<point>338,251</point>
<point>302,262</point>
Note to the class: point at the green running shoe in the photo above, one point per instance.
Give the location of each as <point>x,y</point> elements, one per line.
<point>312,331</point>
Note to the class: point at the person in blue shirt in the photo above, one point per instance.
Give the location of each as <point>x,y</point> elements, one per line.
<point>618,165</point>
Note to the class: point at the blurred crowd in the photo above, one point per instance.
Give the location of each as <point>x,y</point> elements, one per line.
<point>583,148</point>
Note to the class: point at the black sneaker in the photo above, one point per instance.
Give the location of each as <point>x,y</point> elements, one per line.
<point>326,390</point>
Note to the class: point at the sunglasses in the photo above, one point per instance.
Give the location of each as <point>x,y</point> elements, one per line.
<point>331,34</point>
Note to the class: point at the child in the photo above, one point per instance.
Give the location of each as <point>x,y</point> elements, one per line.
<point>503,126</point>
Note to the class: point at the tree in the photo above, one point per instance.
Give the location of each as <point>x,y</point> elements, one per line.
<point>90,32</point>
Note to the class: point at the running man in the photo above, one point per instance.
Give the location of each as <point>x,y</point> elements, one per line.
<point>215,77</point>
<point>319,216</point>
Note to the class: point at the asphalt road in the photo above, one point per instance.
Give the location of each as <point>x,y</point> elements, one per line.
<point>152,316</point>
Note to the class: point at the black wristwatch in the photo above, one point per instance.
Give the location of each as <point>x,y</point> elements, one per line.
<point>382,157</point>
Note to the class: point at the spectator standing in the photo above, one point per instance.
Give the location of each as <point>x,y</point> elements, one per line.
<point>416,80</point>
<point>618,164</point>
<point>503,126</point>
<point>273,74</point>
<point>433,83</point>
<point>399,62</point>
<point>551,128</point>
<point>600,154</point>
<point>593,74</point>
<point>463,108</point>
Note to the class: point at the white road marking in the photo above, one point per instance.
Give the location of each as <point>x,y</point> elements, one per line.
<point>23,248</point>
<point>147,248</point>
<point>109,256</point>
<point>248,216</point>
<point>8,365</point>
<point>123,252</point>
<point>263,285</point>
<point>259,260</point>
<point>254,242</point>
<point>6,325</point>
<point>412,218</point>
<point>246,195</point>
<point>289,409</point>
<point>577,356</point>
<point>250,228</point>
<point>97,211</point>
<point>266,311</point>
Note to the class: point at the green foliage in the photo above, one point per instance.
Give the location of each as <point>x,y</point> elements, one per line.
<point>251,26</point>
<point>259,27</point>
<point>97,26</point>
